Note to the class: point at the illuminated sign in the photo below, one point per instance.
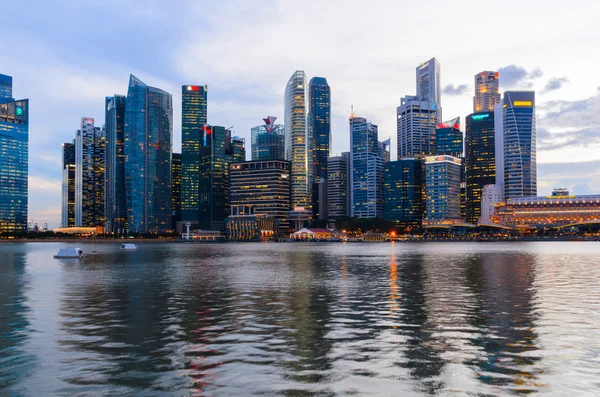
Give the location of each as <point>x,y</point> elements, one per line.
<point>19,111</point>
<point>207,130</point>
<point>436,159</point>
<point>561,197</point>
<point>477,117</point>
<point>193,88</point>
<point>522,103</point>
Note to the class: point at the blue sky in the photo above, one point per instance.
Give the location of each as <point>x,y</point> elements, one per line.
<point>66,56</point>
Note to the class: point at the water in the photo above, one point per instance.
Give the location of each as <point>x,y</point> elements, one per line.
<point>325,319</point>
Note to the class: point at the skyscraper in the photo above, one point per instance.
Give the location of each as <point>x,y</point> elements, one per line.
<point>429,84</point>
<point>175,189</point>
<point>193,118</point>
<point>487,91</point>
<point>519,138</point>
<point>338,184</point>
<point>297,139</point>
<point>268,140</point>
<point>148,148</point>
<point>449,139</point>
<point>403,192</point>
<point>14,151</point>
<point>319,119</point>
<point>442,188</point>
<point>90,174</point>
<point>116,197</point>
<point>68,185</point>
<point>416,120</point>
<point>480,156</point>
<point>368,157</point>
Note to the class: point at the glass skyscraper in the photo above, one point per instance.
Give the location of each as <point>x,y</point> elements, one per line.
<point>297,139</point>
<point>116,197</point>
<point>429,85</point>
<point>319,120</point>
<point>268,140</point>
<point>68,185</point>
<point>442,188</point>
<point>417,120</point>
<point>338,184</point>
<point>449,139</point>
<point>14,151</point>
<point>90,174</point>
<point>193,116</point>
<point>519,137</point>
<point>480,156</point>
<point>487,94</point>
<point>148,149</point>
<point>176,189</point>
<point>368,157</point>
<point>403,192</point>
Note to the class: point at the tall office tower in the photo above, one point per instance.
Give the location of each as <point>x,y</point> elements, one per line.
<point>490,196</point>
<point>429,84</point>
<point>67,218</point>
<point>90,174</point>
<point>175,189</point>
<point>487,91</point>
<point>319,121</point>
<point>480,156</point>
<point>268,140</point>
<point>416,120</point>
<point>297,138</point>
<point>116,196</point>
<point>338,184</point>
<point>366,169</point>
<point>403,192</point>
<point>238,149</point>
<point>319,198</point>
<point>14,151</point>
<point>148,148</point>
<point>449,139</point>
<point>442,188</point>
<point>264,185</point>
<point>193,118</point>
<point>499,143</point>
<point>520,167</point>
<point>217,151</point>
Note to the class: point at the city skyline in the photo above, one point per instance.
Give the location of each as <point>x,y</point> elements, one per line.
<point>81,76</point>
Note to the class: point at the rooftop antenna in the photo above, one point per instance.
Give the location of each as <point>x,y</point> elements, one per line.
<point>352,115</point>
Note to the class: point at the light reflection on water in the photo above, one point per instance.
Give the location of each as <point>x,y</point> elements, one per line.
<point>301,319</point>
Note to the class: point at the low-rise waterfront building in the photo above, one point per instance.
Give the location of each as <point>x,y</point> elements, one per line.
<point>318,234</point>
<point>244,225</point>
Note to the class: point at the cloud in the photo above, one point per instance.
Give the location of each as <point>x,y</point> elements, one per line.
<point>513,76</point>
<point>577,177</point>
<point>451,90</point>
<point>555,83</point>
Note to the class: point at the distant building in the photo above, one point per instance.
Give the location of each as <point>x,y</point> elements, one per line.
<point>319,199</point>
<point>487,91</point>
<point>403,192</point>
<point>176,189</point>
<point>368,157</point>
<point>449,138</point>
<point>116,195</point>
<point>490,196</point>
<point>244,225</point>
<point>429,84</point>
<point>14,153</point>
<point>319,124</point>
<point>442,188</point>
<point>90,166</point>
<point>68,186</point>
<point>417,120</point>
<point>268,140</point>
<point>338,184</point>
<point>148,147</point>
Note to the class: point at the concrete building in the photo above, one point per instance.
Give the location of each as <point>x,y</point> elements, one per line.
<point>442,189</point>
<point>487,91</point>
<point>490,196</point>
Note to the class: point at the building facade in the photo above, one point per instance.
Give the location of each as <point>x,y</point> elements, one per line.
<point>490,196</point>
<point>442,188</point>
<point>148,147</point>
<point>487,91</point>
<point>193,117</point>
<point>319,123</point>
<point>480,158</point>
<point>14,153</point>
<point>90,174</point>
<point>67,218</point>
<point>244,225</point>
<point>268,140</point>
<point>417,120</point>
<point>338,184</point>
<point>403,192</point>
<point>519,138</point>
<point>297,139</point>
<point>175,189</point>
<point>429,84</point>
<point>116,196</point>
<point>449,138</point>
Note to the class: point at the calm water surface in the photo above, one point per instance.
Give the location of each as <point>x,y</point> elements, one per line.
<point>301,320</point>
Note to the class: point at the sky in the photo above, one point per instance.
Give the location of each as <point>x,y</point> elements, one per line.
<point>67,55</point>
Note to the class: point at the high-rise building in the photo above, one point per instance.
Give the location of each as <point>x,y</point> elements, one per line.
<point>429,84</point>
<point>90,174</point>
<point>14,151</point>
<point>238,149</point>
<point>268,140</point>
<point>487,91</point>
<point>368,158</point>
<point>519,138</point>
<point>297,139</point>
<point>403,192</point>
<point>319,198</point>
<point>67,218</point>
<point>480,158</point>
<point>116,196</point>
<point>417,120</point>
<point>442,188</point>
<point>490,196</point>
<point>319,121</point>
<point>175,189</point>
<point>148,149</point>
<point>338,184</point>
<point>449,139</point>
<point>264,185</point>
<point>193,118</point>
